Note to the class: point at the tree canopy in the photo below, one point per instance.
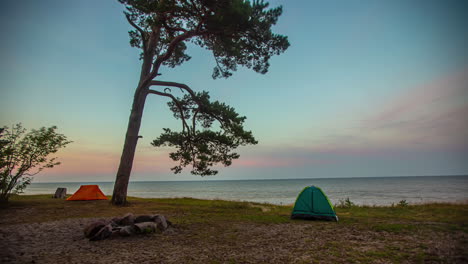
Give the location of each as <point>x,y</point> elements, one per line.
<point>237,32</point>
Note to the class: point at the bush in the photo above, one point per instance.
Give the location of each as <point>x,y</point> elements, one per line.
<point>23,155</point>
<point>403,203</point>
<point>345,203</point>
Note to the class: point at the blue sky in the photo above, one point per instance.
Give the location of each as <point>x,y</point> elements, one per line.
<point>367,88</point>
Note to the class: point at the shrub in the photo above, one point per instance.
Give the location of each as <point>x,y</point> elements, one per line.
<point>345,203</point>
<point>403,203</point>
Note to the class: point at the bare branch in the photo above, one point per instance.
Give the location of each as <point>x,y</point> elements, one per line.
<point>189,90</point>
<point>194,123</point>
<point>184,123</point>
<point>174,84</point>
<point>32,174</point>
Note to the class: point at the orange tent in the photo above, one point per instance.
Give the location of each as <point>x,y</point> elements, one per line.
<point>87,192</point>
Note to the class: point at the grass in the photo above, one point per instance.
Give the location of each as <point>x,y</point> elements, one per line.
<point>43,208</point>
<point>395,219</point>
<point>434,232</point>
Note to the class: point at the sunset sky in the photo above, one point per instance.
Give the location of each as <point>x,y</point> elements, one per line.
<point>367,88</point>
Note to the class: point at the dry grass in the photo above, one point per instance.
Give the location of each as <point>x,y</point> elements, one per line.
<point>45,230</point>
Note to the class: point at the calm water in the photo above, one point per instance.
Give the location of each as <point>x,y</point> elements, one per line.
<point>363,191</point>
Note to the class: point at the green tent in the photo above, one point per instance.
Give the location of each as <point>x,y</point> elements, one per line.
<point>313,204</point>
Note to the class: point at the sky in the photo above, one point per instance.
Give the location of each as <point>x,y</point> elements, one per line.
<point>367,89</point>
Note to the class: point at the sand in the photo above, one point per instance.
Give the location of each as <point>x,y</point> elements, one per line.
<point>63,242</point>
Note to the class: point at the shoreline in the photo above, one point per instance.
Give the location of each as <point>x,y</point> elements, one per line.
<point>422,202</point>
<point>234,180</point>
<point>454,202</point>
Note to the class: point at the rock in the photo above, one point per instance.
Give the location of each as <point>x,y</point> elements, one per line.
<point>128,219</point>
<point>161,222</point>
<point>144,218</point>
<point>93,228</point>
<point>127,230</point>
<point>146,227</point>
<point>104,233</point>
<point>60,193</point>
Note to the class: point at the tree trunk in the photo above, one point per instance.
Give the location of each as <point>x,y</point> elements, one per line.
<point>119,197</point>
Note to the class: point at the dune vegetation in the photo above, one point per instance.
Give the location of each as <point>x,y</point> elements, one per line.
<point>41,229</point>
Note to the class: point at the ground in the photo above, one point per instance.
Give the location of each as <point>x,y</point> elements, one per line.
<point>39,229</point>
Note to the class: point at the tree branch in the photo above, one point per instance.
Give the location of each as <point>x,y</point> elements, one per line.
<point>161,58</point>
<point>142,32</point>
<point>169,28</point>
<point>189,90</point>
<point>194,123</point>
<point>174,84</point>
<point>184,123</point>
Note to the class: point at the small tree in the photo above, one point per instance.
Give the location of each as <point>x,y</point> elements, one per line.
<point>238,33</point>
<point>23,155</point>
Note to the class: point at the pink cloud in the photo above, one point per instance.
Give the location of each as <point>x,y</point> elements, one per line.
<point>154,161</point>
<point>423,99</point>
<point>278,157</point>
<point>93,161</point>
<point>84,162</point>
<point>430,115</point>
<point>260,162</point>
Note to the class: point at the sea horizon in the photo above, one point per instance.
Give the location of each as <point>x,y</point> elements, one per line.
<point>360,190</point>
<point>207,178</point>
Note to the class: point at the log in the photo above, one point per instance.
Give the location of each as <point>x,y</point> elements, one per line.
<point>127,230</point>
<point>104,233</point>
<point>161,222</point>
<point>127,225</point>
<point>143,218</point>
<point>93,228</point>
<point>115,222</point>
<point>146,227</point>
<point>60,193</point>
<point>127,219</point>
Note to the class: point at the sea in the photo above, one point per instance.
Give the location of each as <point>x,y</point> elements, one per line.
<point>361,191</point>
